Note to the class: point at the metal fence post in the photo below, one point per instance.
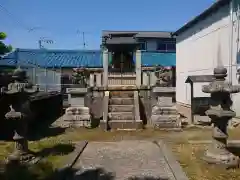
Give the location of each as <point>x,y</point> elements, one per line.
<point>46,86</point>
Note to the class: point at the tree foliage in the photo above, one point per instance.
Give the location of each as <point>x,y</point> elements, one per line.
<point>3,47</point>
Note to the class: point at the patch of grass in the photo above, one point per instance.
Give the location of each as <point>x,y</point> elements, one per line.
<point>15,170</point>
<point>190,158</point>
<point>57,148</point>
<point>194,134</point>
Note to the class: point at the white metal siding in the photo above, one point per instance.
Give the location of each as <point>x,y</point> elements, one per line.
<point>199,50</point>
<point>202,48</point>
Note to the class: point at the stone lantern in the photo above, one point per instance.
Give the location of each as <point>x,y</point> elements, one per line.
<point>19,96</point>
<point>220,114</point>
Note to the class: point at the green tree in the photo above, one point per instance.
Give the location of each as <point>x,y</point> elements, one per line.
<point>3,47</point>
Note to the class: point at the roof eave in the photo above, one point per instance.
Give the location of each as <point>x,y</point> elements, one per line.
<point>218,4</point>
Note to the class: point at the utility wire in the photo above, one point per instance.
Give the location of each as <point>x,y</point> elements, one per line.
<point>21,24</point>
<point>32,29</point>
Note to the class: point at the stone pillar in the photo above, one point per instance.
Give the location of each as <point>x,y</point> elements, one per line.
<point>91,80</point>
<point>98,79</point>
<point>138,68</point>
<point>105,68</point>
<point>153,79</point>
<point>220,113</point>
<point>145,79</point>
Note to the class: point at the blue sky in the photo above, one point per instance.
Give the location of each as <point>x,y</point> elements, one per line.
<point>64,21</point>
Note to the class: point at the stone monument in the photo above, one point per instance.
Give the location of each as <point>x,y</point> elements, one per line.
<point>220,114</point>
<point>164,112</point>
<point>19,95</point>
<point>78,115</point>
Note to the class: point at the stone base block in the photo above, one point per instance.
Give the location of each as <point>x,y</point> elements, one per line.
<point>83,120</point>
<point>225,158</point>
<point>77,110</point>
<point>81,117</point>
<point>77,124</point>
<point>164,110</point>
<point>166,121</point>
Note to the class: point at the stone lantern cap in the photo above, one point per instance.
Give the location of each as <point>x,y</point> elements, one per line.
<point>19,74</point>
<point>213,113</point>
<point>219,84</point>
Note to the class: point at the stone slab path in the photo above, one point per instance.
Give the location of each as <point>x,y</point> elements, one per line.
<point>125,160</point>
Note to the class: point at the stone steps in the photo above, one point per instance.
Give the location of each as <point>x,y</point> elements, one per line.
<point>121,101</point>
<point>121,111</point>
<point>120,108</point>
<point>121,116</point>
<point>123,125</point>
<point>121,94</point>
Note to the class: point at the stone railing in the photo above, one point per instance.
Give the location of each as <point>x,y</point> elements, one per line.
<point>124,78</point>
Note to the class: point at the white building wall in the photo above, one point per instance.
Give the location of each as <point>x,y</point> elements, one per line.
<point>202,48</point>
<point>198,50</point>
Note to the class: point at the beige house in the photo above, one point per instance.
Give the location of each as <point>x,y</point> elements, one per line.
<point>211,39</point>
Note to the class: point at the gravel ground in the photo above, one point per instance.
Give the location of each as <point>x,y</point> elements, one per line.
<point>122,160</point>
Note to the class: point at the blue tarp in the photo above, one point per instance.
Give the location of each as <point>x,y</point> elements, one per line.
<point>157,58</point>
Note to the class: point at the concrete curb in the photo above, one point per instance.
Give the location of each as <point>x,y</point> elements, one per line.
<point>235,142</point>
<point>65,171</point>
<point>173,164</point>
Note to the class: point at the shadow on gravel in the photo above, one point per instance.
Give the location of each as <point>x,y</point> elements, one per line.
<point>101,174</point>
<point>45,171</point>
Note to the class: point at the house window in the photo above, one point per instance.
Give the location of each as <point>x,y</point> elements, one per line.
<point>161,46</point>
<point>143,46</point>
<point>171,47</point>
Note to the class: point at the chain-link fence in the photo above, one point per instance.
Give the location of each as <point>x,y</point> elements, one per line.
<point>48,79</point>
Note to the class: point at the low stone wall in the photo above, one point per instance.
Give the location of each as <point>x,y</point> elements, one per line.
<point>45,107</point>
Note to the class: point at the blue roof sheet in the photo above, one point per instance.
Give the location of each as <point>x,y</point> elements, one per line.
<point>8,59</point>
<point>157,58</point>
<point>54,58</point>
<point>76,58</point>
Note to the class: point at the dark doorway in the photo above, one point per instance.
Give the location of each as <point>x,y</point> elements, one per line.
<point>122,61</point>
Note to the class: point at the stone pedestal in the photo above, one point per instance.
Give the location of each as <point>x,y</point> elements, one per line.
<point>105,68</point>
<point>164,113</point>
<point>220,114</point>
<point>77,115</point>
